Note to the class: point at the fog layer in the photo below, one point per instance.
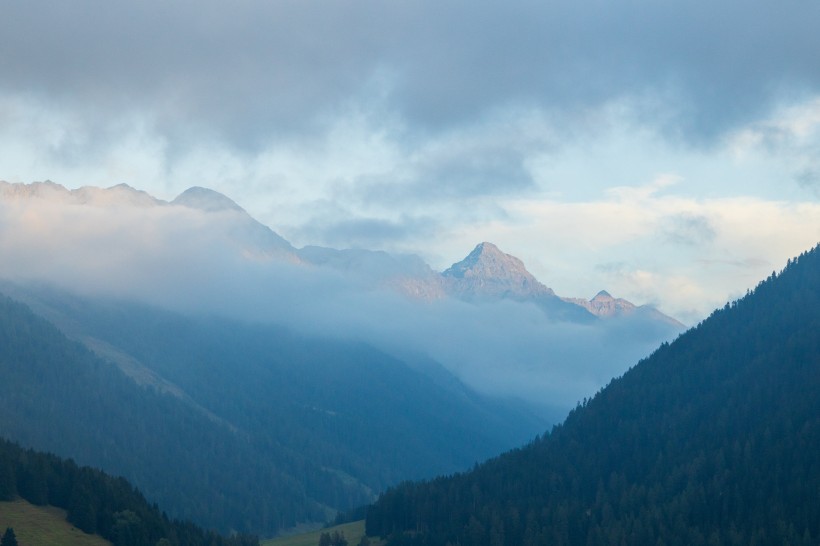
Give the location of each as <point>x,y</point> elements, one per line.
<point>200,262</point>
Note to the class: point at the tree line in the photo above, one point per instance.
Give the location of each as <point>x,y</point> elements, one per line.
<point>98,503</point>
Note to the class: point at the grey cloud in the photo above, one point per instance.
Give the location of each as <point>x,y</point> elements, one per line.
<point>453,175</point>
<point>616,268</point>
<point>809,179</point>
<point>250,72</point>
<point>365,232</point>
<point>745,263</point>
<point>688,229</point>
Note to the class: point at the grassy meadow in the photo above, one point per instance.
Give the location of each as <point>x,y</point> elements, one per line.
<point>43,526</point>
<point>353,532</point>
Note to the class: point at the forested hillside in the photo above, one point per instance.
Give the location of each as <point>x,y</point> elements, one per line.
<point>60,397</point>
<point>713,439</point>
<point>265,430</point>
<point>96,502</point>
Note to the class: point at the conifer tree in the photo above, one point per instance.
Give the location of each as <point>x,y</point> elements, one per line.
<point>8,538</point>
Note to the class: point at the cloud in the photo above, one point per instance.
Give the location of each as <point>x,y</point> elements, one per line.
<point>809,179</point>
<point>252,72</point>
<point>688,229</point>
<point>452,173</point>
<point>326,120</point>
<point>366,232</point>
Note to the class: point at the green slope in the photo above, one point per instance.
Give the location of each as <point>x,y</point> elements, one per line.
<point>43,526</point>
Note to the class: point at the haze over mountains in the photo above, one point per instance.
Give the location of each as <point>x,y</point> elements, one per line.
<point>486,319</point>
<point>237,426</point>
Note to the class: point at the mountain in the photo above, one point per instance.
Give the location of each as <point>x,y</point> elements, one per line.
<point>486,274</point>
<point>205,199</point>
<point>256,240</point>
<point>237,426</point>
<point>489,273</point>
<point>713,439</point>
<point>603,305</point>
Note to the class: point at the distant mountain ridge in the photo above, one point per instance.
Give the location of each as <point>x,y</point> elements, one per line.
<point>485,274</point>
<point>605,306</point>
<point>121,194</point>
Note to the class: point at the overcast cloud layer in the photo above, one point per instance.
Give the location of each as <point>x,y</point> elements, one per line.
<point>427,127</point>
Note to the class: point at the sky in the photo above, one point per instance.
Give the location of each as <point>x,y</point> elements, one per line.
<point>668,152</point>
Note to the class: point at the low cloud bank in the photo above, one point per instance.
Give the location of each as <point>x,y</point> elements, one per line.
<point>191,261</point>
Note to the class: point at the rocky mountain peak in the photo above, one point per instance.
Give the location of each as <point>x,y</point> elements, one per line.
<point>602,296</point>
<point>488,262</point>
<point>489,272</point>
<point>197,197</point>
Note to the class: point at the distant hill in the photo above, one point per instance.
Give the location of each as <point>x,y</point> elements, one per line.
<point>713,439</point>
<point>38,489</point>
